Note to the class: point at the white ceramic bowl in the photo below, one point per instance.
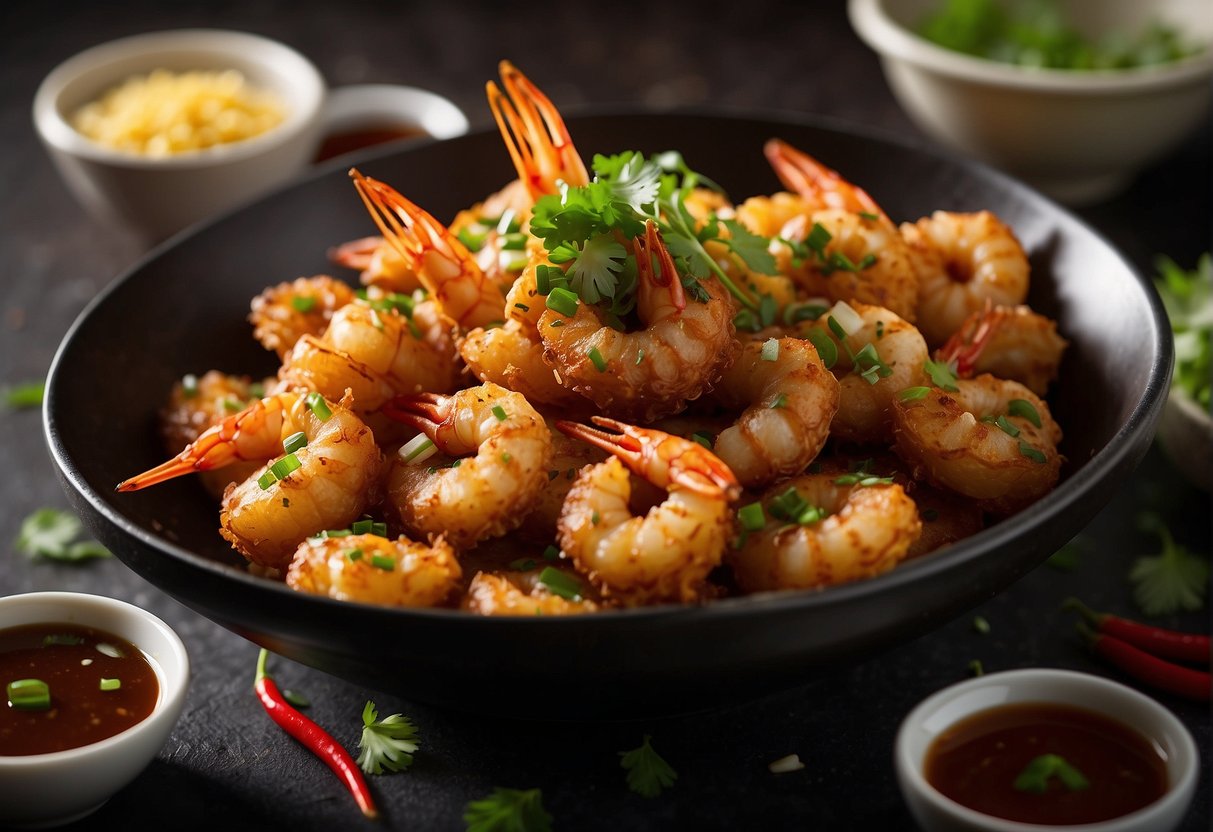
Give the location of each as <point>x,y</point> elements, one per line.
<point>1078,136</point>
<point>42,790</point>
<point>161,196</point>
<point>937,813</point>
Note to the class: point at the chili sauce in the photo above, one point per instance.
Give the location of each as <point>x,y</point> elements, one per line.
<point>1046,763</point>
<point>98,684</point>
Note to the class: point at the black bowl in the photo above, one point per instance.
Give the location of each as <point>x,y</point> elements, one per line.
<point>182,310</point>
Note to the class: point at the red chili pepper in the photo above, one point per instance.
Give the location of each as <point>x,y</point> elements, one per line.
<point>1170,644</point>
<point>1156,672</point>
<point>315,738</point>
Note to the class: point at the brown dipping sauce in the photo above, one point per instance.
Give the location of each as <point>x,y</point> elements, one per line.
<point>337,144</point>
<point>66,657</point>
<point>976,762</point>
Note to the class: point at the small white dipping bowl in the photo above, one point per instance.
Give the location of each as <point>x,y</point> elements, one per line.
<point>159,196</point>
<point>1079,136</point>
<point>40,790</point>
<point>369,106</point>
<point>937,813</point>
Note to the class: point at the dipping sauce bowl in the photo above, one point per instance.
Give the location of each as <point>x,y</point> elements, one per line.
<point>939,713</point>
<point>40,790</point>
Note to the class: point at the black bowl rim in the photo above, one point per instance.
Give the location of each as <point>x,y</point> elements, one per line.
<point>1068,494</point>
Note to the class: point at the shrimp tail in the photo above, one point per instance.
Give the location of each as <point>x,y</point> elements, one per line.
<point>804,175</point>
<point>965,346</point>
<point>408,227</point>
<point>647,452</point>
<point>535,135</point>
<point>356,254</point>
<point>665,276</point>
<point>420,411</point>
<point>215,448</point>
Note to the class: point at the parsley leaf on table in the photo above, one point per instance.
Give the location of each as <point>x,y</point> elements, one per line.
<point>1172,581</point>
<point>49,533</point>
<point>647,772</point>
<point>508,810</point>
<point>386,743</point>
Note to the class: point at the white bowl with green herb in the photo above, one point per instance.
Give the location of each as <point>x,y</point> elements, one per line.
<point>1186,429</point>
<point>57,787</point>
<point>1137,86</point>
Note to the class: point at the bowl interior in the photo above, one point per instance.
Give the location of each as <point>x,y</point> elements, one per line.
<point>183,311</point>
<point>376,105</point>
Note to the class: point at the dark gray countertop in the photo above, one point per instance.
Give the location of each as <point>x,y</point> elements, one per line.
<point>226,766</point>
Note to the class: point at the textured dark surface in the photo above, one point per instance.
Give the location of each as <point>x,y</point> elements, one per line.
<point>226,765</point>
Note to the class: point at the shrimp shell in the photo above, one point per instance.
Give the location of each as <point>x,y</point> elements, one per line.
<point>282,314</point>
<point>492,594</point>
<point>356,568</point>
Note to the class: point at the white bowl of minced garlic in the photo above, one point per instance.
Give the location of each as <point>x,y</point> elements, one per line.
<point>157,131</point>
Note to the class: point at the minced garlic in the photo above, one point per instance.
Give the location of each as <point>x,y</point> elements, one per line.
<point>166,113</point>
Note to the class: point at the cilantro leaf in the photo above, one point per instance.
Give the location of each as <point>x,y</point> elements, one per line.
<point>1172,581</point>
<point>1036,775</point>
<point>25,395</point>
<point>942,375</point>
<point>508,810</point>
<point>386,743</point>
<point>647,772</point>
<point>49,532</point>
<point>753,249</point>
<point>631,179</point>
<point>593,274</point>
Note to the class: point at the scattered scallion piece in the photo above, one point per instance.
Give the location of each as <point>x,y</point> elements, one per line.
<point>294,442</point>
<point>362,526</point>
<point>267,480</point>
<point>523,564</point>
<point>770,349</point>
<point>752,517</point>
<point>319,407</point>
<point>779,401</point>
<point>981,625</point>
<point>597,360</point>
<point>499,412</point>
<point>354,555</point>
<point>381,562</point>
<point>1031,453</point>
<point>110,684</point>
<point>29,695</point>
<point>942,375</point>
<point>418,449</point>
<point>285,466</point>
<point>560,583</point>
<point>1024,409</point>
<point>303,303</point>
<point>913,394</point>
<point>551,553</point>
<point>1006,427</point>
<point>562,301</point>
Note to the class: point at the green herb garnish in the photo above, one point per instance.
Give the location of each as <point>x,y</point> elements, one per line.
<point>508,810</point>
<point>647,772</point>
<point>1172,581</point>
<point>387,744</point>
<point>49,533</point>
<point>1036,775</point>
<point>24,395</point>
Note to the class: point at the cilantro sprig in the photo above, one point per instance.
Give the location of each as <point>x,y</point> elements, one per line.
<point>386,743</point>
<point>647,772</point>
<point>508,810</point>
<point>586,230</point>
<point>51,533</point>
<point>1188,298</point>
<point>1169,582</point>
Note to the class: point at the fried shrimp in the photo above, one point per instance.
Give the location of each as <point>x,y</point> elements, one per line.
<point>283,314</point>
<point>377,263</point>
<point>375,570</point>
<point>496,594</point>
<point>512,354</point>
<point>667,554</point>
<point>880,355</point>
<point>197,403</point>
<point>443,264</point>
<point>651,372</point>
<point>469,498</point>
<point>322,484</point>
<point>822,533</point>
<point>992,440</point>
<point>963,260</point>
<point>567,457</point>
<point>1008,342</point>
<point>822,187</point>
<point>789,400</point>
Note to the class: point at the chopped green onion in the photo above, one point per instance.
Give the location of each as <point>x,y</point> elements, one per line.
<point>189,385</point>
<point>319,407</point>
<point>770,349</point>
<point>825,346</point>
<point>514,242</point>
<point>595,518</point>
<point>981,625</point>
<point>796,312</point>
<point>362,526</point>
<point>1024,410</point>
<point>110,684</point>
<point>913,394</point>
<point>597,360</point>
<point>417,449</point>
<point>303,303</point>
<point>639,356</point>
<point>379,529</point>
<point>942,375</point>
<point>29,695</point>
<point>780,401</point>
<point>523,564</point>
<point>61,639</point>
<point>334,533</point>
<point>551,553</point>
<point>562,301</point>
<point>550,278</point>
<point>1007,428</point>
<point>506,458</point>
<point>558,583</point>
<point>384,563</point>
<point>294,442</point>
<point>354,554</point>
<point>818,237</point>
<point>256,390</point>
<point>232,405</point>
<point>499,412</point>
<point>751,517</point>
<point>472,240</point>
<point>703,438</point>
<point>283,467</point>
<point>266,480</point>
<point>868,215</point>
<point>1031,453</point>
